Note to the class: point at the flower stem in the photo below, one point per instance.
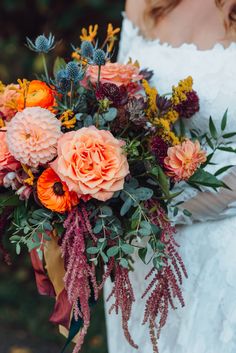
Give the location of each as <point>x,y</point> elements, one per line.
<point>45,67</point>
<point>71,93</point>
<point>99,75</point>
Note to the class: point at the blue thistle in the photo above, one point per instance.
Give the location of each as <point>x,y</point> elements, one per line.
<point>42,44</point>
<point>87,49</point>
<point>74,71</point>
<point>62,81</point>
<point>99,57</point>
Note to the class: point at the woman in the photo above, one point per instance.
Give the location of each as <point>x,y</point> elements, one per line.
<point>175,39</point>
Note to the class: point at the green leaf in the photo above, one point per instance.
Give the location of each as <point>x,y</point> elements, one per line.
<point>201,177</point>
<point>222,170</point>
<point>182,128</point>
<point>144,232</point>
<point>126,206</point>
<point>104,256</point>
<point>15,238</point>
<point>18,249</point>
<point>146,224</point>
<point>113,251</point>
<point>143,194</point>
<point>106,211</point>
<point>98,227</point>
<point>111,114</point>
<point>124,263</point>
<point>176,211</point>
<point>227,149</point>
<point>127,248</point>
<point>163,181</point>
<point>187,213</point>
<point>92,250</point>
<point>142,254</point>
<point>208,140</point>
<point>224,121</point>
<point>212,129</point>
<point>230,134</point>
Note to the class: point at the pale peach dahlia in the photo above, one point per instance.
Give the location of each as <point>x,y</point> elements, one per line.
<point>32,136</point>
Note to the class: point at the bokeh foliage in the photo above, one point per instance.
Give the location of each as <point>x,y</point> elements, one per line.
<point>23,313</point>
<point>65,19</point>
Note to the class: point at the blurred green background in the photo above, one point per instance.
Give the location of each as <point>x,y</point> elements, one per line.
<point>65,19</point>
<point>24,326</point>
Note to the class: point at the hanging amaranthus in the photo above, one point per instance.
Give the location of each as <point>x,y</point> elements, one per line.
<point>80,279</point>
<point>165,284</point>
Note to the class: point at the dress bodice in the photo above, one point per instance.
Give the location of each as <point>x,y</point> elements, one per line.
<point>213,71</point>
<point>214,75</point>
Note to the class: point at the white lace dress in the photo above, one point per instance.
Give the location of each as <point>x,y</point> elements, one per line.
<point>207,324</point>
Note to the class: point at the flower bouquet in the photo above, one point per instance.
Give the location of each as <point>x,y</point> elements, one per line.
<point>89,159</point>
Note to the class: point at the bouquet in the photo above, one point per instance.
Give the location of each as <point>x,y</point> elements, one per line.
<point>89,159</point>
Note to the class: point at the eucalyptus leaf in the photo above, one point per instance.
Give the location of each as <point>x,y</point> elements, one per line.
<point>143,194</point>
<point>111,114</point>
<point>126,206</point>
<point>124,263</point>
<point>92,250</point>
<point>18,249</point>
<point>127,249</point>
<point>113,251</point>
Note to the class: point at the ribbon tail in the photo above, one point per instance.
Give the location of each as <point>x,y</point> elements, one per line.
<point>43,283</point>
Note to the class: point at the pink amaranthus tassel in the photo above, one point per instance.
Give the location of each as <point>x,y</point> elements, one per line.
<point>166,283</point>
<point>80,279</point>
<point>124,298</point>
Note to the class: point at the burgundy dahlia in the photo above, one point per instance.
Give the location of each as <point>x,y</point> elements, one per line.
<point>159,148</point>
<point>118,95</point>
<point>190,106</point>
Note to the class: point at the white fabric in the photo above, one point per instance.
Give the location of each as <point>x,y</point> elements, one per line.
<point>207,324</point>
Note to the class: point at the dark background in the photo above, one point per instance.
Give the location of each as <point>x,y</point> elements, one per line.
<point>24,326</point>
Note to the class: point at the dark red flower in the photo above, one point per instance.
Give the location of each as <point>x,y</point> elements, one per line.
<point>163,104</point>
<point>190,106</point>
<point>117,95</point>
<point>159,148</point>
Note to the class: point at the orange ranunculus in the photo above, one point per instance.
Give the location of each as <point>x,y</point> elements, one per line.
<point>183,160</point>
<point>54,193</point>
<point>38,94</point>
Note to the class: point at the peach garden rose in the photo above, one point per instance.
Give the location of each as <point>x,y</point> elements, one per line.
<point>91,162</point>
<point>116,73</point>
<point>183,160</point>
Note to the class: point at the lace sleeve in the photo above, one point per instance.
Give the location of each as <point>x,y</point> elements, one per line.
<point>127,34</point>
<point>209,205</point>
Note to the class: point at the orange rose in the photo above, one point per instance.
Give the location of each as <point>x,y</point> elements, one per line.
<point>183,160</point>
<point>91,162</point>
<point>38,95</point>
<point>54,194</point>
<point>116,73</point>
